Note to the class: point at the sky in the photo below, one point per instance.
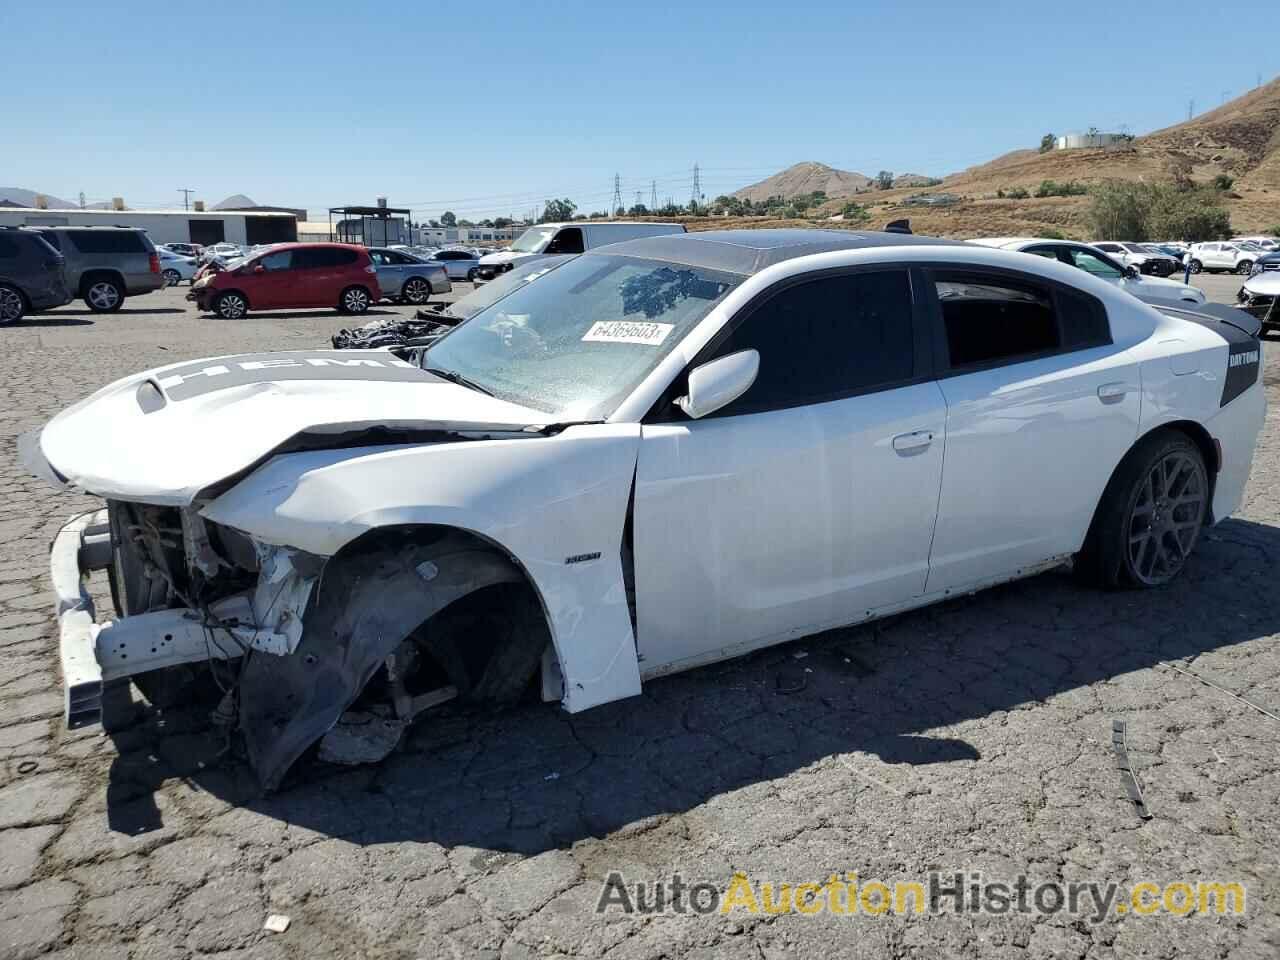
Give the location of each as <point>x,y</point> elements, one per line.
<point>317,104</point>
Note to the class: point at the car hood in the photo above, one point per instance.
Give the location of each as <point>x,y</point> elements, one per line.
<point>1162,287</point>
<point>505,256</point>
<point>165,435</point>
<point>1265,284</point>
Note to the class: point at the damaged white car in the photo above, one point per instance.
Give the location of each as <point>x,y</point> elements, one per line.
<point>666,452</point>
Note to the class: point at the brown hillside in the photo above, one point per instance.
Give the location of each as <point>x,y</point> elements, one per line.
<point>805,178</point>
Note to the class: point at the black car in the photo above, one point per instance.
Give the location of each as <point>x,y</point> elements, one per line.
<point>32,275</point>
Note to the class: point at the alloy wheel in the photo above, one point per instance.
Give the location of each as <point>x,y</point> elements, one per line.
<point>10,305</point>
<point>357,301</point>
<point>416,291</point>
<point>1165,519</point>
<point>231,306</point>
<point>104,295</point>
<point>172,278</point>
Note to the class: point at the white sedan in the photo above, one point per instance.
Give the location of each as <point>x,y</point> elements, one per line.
<point>174,267</point>
<point>1093,261</point>
<point>664,453</point>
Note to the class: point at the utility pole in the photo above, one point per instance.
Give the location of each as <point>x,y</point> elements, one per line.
<point>186,197</point>
<point>617,195</point>
<point>81,199</point>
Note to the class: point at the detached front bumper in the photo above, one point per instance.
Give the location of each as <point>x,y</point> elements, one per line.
<point>92,654</point>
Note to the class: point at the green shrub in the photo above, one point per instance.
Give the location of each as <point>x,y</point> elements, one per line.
<point>855,212</point>
<point>1051,188</point>
<point>1017,193</point>
<point>1139,211</point>
<point>1223,182</point>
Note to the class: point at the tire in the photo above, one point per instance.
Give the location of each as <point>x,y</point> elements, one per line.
<point>1196,266</point>
<point>231,305</point>
<point>172,277</point>
<point>1150,515</point>
<point>416,290</point>
<point>104,295</point>
<point>354,300</point>
<point>471,275</point>
<point>12,304</point>
<point>1244,267</point>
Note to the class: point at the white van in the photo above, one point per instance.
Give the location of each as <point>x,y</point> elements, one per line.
<point>549,239</point>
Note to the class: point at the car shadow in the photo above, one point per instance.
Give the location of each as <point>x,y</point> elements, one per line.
<point>48,320</point>
<point>536,778</point>
<point>312,313</point>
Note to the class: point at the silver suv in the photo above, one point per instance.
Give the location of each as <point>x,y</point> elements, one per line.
<point>106,264</point>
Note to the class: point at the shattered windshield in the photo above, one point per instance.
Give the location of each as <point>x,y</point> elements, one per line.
<point>575,343</point>
<point>501,286</point>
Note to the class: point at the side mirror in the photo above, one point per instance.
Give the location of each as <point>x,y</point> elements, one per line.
<point>720,382</point>
<point>259,268</point>
<point>1132,272</point>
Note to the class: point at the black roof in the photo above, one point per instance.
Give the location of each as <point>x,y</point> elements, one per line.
<point>750,251</point>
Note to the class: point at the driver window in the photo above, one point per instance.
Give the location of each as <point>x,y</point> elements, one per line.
<point>1095,265</point>
<point>276,261</point>
<point>568,240</point>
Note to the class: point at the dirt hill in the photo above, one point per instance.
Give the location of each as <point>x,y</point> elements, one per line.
<point>805,178</point>
<point>1240,140</point>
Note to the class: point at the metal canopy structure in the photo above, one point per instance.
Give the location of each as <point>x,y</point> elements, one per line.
<point>373,220</point>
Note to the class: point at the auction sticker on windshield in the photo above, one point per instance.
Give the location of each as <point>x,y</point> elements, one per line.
<point>628,331</point>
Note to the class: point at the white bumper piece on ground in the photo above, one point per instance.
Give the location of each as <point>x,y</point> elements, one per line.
<point>92,654</point>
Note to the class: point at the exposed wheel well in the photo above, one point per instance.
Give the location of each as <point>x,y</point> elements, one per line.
<point>518,597</point>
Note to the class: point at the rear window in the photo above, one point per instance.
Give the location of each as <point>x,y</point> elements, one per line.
<point>990,318</point>
<point>51,237</point>
<point>108,241</point>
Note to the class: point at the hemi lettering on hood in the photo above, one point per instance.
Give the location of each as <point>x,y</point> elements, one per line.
<point>196,379</point>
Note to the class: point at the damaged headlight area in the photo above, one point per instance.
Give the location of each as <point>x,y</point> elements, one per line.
<point>343,651</point>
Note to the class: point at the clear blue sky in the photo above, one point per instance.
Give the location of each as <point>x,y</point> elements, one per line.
<point>321,103</point>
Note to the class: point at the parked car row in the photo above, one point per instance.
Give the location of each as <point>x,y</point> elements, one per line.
<point>1235,256</point>
<point>101,265</point>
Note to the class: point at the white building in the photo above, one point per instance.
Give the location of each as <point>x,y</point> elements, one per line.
<point>1076,141</point>
<point>168,226</point>
<point>438,236</point>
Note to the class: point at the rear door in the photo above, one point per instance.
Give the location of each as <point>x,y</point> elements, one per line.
<point>810,500</point>
<point>1041,406</point>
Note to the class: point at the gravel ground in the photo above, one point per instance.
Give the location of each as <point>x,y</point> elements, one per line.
<point>972,736</point>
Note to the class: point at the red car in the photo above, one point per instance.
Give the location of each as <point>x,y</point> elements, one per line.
<point>292,275</point>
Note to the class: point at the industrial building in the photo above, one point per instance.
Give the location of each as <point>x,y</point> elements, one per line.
<point>169,226</point>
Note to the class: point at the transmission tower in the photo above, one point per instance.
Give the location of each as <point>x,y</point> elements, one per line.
<point>1191,108</point>
<point>653,194</point>
<point>639,198</point>
<point>617,194</point>
<point>697,186</point>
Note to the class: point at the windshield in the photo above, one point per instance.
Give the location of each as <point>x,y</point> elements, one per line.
<point>575,343</point>
<point>533,240</point>
<point>505,283</point>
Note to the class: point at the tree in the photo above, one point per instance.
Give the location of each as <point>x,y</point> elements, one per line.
<point>1048,142</point>
<point>639,210</point>
<point>884,179</point>
<point>500,222</point>
<point>855,212</point>
<point>1137,211</point>
<point>1118,211</point>
<point>448,219</point>
<point>554,211</point>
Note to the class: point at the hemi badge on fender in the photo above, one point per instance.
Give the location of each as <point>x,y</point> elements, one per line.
<point>582,557</point>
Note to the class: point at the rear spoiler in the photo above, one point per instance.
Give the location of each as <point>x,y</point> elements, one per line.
<point>1246,323</point>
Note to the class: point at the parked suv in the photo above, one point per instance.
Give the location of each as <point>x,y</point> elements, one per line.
<point>106,264</point>
<point>1137,255</point>
<point>292,275</point>
<point>32,275</point>
<point>1236,257</point>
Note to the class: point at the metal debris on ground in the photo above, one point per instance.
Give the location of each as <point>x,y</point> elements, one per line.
<point>276,923</point>
<point>1233,696</point>
<point>1119,740</point>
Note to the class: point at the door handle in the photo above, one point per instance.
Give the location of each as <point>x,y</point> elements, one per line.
<point>1113,392</point>
<point>917,440</point>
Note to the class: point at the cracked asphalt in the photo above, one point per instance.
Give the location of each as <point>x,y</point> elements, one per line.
<point>972,736</point>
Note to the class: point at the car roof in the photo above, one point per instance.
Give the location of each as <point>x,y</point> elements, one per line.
<point>750,251</point>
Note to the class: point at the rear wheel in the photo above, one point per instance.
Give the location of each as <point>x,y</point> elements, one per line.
<point>231,305</point>
<point>12,304</point>
<point>416,290</point>
<point>1196,266</point>
<point>354,300</point>
<point>172,277</point>
<point>1150,515</point>
<point>103,295</point>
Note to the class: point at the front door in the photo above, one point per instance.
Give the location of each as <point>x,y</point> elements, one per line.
<point>807,502</point>
<point>1039,413</point>
<point>272,285</point>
